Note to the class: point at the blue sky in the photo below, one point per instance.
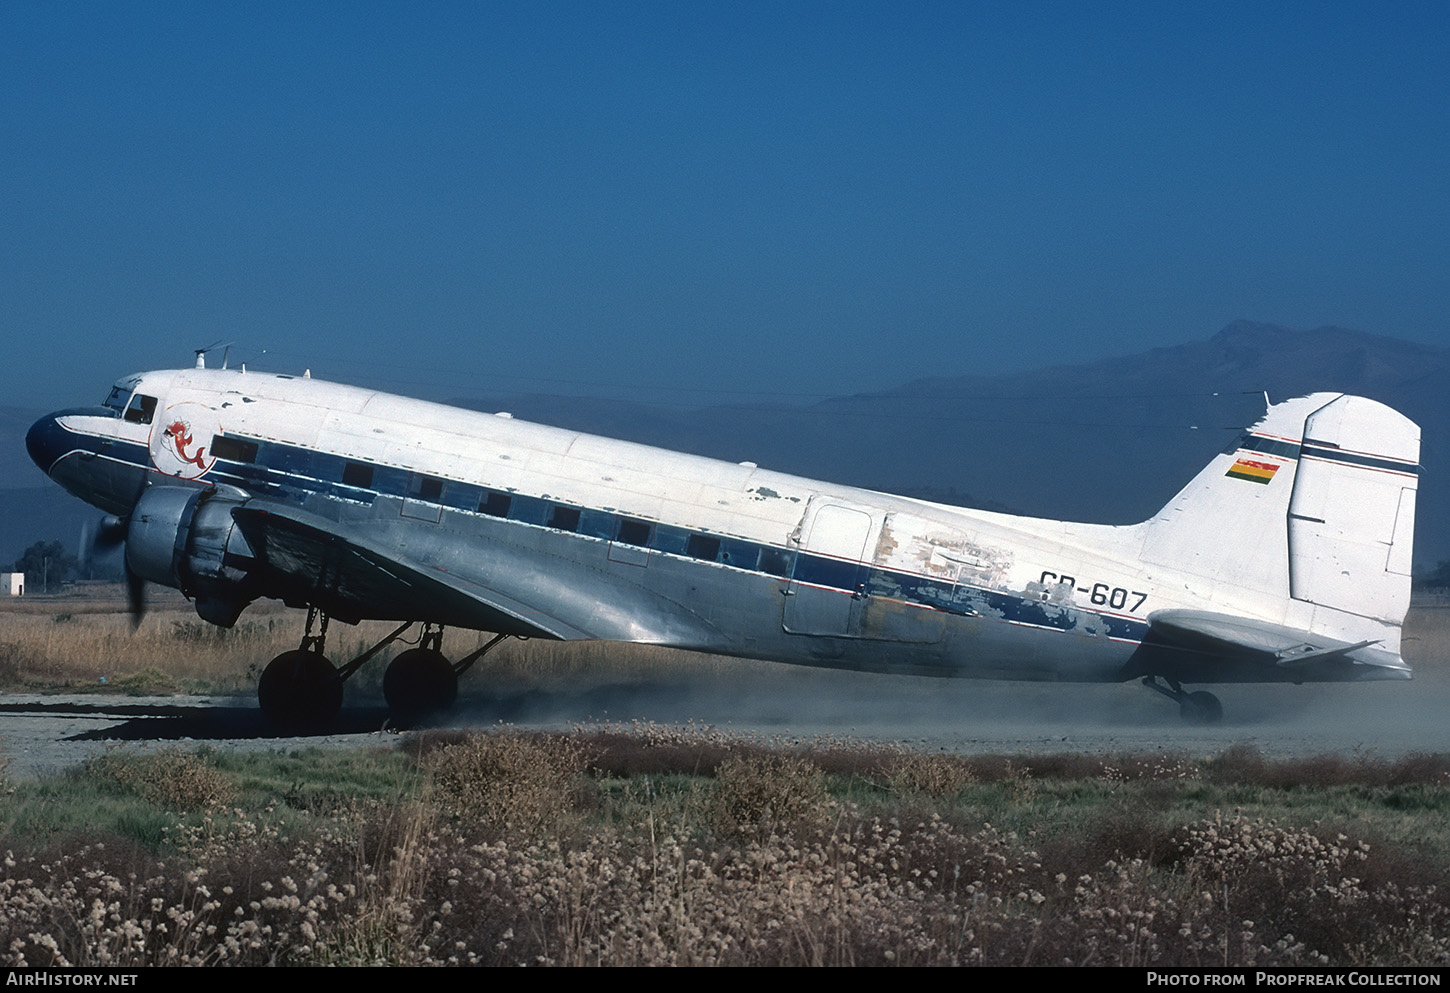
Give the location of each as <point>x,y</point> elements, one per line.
<point>705,202</point>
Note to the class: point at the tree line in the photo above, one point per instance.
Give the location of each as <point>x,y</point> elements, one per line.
<point>48,564</point>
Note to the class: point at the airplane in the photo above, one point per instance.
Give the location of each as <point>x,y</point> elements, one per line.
<point>1286,559</point>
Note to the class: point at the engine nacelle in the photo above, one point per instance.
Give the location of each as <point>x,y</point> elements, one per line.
<point>185,538</point>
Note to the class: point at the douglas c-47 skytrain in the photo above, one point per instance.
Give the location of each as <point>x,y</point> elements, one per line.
<point>1287,559</point>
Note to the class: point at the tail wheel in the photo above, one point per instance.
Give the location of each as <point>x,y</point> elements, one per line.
<point>419,682</point>
<point>300,690</point>
<point>1200,708</point>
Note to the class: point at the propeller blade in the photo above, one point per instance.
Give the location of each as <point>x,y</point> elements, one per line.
<point>135,597</point>
<point>99,537</point>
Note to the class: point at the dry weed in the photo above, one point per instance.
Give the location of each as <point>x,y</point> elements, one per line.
<point>758,794</point>
<point>415,882</point>
<point>522,784</point>
<point>939,776</point>
<point>171,778</point>
<point>1306,893</point>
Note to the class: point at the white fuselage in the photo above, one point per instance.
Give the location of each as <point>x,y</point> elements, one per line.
<point>614,540</point>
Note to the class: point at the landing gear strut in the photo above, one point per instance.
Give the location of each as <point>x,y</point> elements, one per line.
<point>1199,707</point>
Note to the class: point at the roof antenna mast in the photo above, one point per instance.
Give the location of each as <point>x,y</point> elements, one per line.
<point>201,353</point>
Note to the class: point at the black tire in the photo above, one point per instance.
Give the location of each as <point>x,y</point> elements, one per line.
<point>300,691</point>
<point>1201,708</point>
<point>419,682</point>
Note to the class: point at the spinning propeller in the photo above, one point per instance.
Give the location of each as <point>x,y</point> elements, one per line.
<point>104,536</point>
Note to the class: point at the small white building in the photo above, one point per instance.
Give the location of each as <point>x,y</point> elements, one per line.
<point>12,583</point>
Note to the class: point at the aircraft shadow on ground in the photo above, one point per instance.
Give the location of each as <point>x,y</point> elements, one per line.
<point>224,721</point>
<point>167,722</point>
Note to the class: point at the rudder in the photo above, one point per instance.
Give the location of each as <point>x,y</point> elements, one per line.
<point>1352,512</point>
<point>1314,504</point>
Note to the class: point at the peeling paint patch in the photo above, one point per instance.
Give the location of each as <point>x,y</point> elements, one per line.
<point>766,493</point>
<point>925,547</point>
<point>886,544</point>
<point>1088,623</point>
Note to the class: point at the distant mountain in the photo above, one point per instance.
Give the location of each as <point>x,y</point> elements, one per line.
<point>1108,441</point>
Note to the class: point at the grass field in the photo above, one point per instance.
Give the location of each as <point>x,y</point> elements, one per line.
<point>650,845</point>
<point>644,844</point>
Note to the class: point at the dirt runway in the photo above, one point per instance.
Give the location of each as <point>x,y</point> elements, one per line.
<point>47,733</point>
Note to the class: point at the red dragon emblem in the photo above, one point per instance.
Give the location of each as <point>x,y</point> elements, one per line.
<point>180,435</point>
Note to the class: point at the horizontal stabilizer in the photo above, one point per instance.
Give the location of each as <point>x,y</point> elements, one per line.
<point>1226,634</point>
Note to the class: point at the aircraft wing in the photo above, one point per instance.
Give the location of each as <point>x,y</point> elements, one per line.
<point>311,559</point>
<point>1274,644</point>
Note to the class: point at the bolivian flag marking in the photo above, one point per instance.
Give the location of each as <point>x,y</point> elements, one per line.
<point>1254,472</point>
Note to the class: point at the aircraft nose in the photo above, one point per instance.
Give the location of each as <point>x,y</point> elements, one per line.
<point>46,442</point>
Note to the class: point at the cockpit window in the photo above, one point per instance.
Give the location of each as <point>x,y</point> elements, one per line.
<point>117,400</point>
<point>141,410</point>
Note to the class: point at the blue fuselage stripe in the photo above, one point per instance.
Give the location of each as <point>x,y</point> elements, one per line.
<point>290,473</point>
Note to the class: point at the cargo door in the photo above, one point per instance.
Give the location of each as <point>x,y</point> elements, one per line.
<point>830,570</point>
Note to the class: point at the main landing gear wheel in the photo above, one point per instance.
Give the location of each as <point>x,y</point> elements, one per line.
<point>300,689</point>
<point>419,682</point>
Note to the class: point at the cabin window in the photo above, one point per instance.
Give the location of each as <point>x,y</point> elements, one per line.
<point>633,532</point>
<point>234,449</point>
<point>564,518</point>
<point>596,524</point>
<point>141,410</point>
<point>703,546</point>
<point>117,400</point>
<point>776,561</point>
<point>671,540</point>
<point>358,474</point>
<point>495,504</point>
<point>426,488</point>
<point>740,554</point>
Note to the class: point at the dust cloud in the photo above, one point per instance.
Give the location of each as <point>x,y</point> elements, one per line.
<point>1383,719</point>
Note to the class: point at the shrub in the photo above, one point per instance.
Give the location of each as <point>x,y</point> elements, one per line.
<point>756,794</point>
<point>913,774</point>
<point>509,781</point>
<point>174,779</point>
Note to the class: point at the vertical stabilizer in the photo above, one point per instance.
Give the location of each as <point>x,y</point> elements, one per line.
<point>1314,503</point>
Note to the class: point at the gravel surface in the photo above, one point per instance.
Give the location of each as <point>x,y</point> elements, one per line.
<point>47,733</point>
